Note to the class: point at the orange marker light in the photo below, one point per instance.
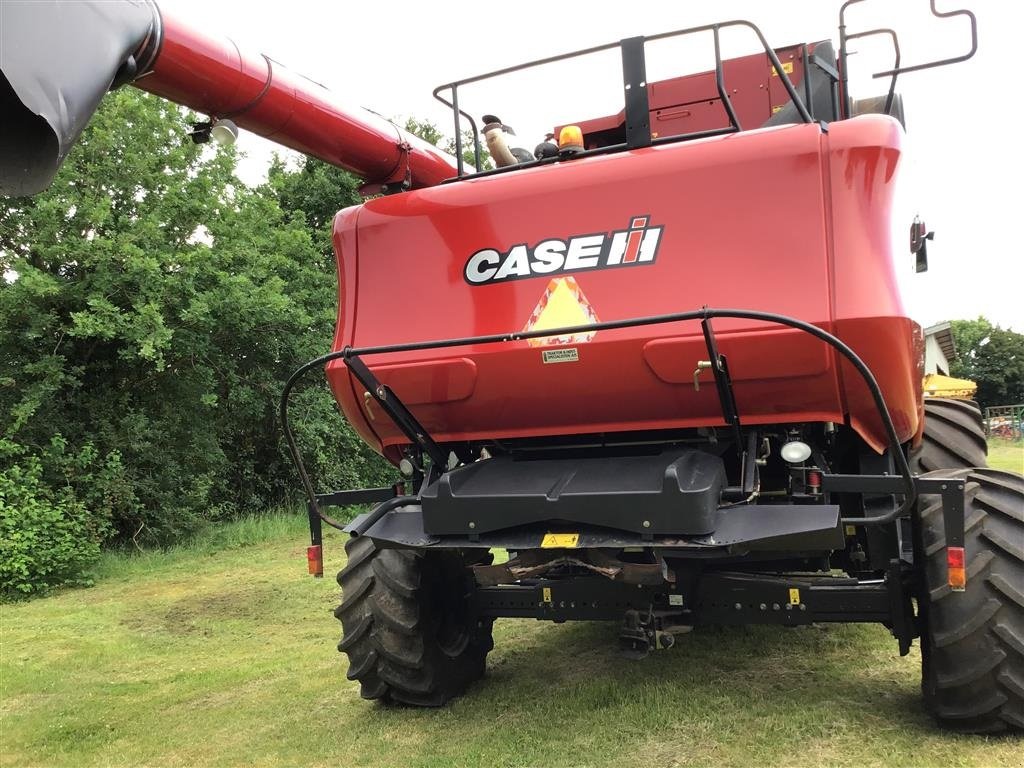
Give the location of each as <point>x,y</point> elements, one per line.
<point>315,559</point>
<point>570,140</point>
<point>957,572</point>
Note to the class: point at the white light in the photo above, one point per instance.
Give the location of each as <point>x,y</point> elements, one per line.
<point>795,452</point>
<point>224,132</point>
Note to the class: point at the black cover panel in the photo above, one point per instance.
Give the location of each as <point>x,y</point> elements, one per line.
<point>58,59</point>
<point>822,106</point>
<point>673,492</point>
<point>746,528</point>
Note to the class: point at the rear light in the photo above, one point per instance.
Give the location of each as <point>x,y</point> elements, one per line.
<point>957,572</point>
<point>814,482</point>
<point>315,559</point>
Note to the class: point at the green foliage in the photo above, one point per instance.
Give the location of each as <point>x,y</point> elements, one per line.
<point>48,536</point>
<point>427,131</point>
<point>992,357</point>
<point>154,307</point>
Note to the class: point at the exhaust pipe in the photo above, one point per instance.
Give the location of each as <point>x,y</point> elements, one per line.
<point>58,59</point>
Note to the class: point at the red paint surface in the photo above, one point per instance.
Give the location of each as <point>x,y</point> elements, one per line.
<point>692,103</point>
<point>211,74</point>
<point>789,220</point>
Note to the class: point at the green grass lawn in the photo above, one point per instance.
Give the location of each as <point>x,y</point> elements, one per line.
<point>212,658</point>
<point>1006,454</point>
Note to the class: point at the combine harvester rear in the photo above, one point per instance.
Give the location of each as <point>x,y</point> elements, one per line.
<point>663,364</point>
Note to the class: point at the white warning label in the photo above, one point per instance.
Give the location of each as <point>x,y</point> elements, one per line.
<point>570,355</point>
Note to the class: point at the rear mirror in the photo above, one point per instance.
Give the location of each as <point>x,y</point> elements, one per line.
<point>919,237</point>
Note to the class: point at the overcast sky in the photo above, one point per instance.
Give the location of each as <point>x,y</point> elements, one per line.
<point>964,121</point>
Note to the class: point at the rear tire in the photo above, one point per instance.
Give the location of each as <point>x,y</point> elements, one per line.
<point>972,644</point>
<point>954,437</point>
<point>408,630</point>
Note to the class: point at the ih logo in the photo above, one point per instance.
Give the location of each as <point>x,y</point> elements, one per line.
<point>580,253</point>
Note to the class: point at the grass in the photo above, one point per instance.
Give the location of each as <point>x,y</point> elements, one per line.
<point>1006,454</point>
<point>212,658</point>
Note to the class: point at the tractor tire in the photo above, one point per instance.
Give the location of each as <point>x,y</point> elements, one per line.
<point>407,628</point>
<point>972,642</point>
<point>954,437</point>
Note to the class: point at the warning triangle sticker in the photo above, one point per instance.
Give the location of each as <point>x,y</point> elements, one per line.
<point>563,304</point>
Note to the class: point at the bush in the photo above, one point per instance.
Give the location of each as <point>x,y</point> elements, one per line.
<point>48,537</point>
<point>151,308</point>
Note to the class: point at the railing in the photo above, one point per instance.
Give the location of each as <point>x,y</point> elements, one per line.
<point>634,83</point>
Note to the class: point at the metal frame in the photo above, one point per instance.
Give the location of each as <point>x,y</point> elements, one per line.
<point>897,70</point>
<point>903,483</point>
<point>637,105</point>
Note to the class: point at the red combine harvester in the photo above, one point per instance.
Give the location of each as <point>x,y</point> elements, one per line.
<point>602,366</point>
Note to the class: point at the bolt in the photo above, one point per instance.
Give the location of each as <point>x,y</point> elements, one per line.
<point>738,607</point>
<point>775,606</point>
<point>789,607</point>
<point>943,486</point>
<point>803,607</point>
<point>764,607</point>
<point>572,605</point>
<point>562,604</point>
<point>647,523</point>
<point>472,524</point>
<point>381,392</point>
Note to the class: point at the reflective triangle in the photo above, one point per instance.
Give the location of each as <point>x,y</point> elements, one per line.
<point>563,304</point>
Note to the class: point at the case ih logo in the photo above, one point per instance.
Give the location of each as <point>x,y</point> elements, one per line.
<point>624,248</point>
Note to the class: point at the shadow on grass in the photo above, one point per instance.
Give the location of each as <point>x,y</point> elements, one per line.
<point>750,686</point>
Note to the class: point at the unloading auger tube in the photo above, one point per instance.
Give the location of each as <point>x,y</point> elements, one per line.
<point>350,354</point>
<point>60,58</point>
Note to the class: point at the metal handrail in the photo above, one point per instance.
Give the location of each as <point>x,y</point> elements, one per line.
<point>714,29</point>
<point>350,353</point>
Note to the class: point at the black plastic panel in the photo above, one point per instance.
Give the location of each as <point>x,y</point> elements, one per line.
<point>673,492</point>
<point>738,530</point>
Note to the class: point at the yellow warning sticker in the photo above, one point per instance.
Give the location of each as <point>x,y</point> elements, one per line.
<point>547,594</point>
<point>794,597</point>
<point>787,67</point>
<point>851,530</point>
<point>560,540</point>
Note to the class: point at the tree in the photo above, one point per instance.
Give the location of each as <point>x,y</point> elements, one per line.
<point>152,308</point>
<point>427,131</point>
<point>992,357</point>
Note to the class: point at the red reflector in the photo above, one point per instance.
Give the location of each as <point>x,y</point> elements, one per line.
<point>957,572</point>
<point>955,557</point>
<point>315,559</point>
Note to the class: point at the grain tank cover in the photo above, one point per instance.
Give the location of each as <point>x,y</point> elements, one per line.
<point>57,61</point>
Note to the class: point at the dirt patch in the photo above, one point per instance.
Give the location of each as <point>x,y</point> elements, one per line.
<point>209,612</point>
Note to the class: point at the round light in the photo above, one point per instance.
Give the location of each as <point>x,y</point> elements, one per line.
<point>224,132</point>
<point>794,452</point>
<point>570,139</point>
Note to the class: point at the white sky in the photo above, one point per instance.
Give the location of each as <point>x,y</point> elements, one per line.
<point>964,121</point>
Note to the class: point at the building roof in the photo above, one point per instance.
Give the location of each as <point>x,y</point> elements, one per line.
<point>943,333</point>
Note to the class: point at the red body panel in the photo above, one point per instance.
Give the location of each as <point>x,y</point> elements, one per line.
<point>211,74</point>
<point>790,220</point>
<point>691,104</point>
